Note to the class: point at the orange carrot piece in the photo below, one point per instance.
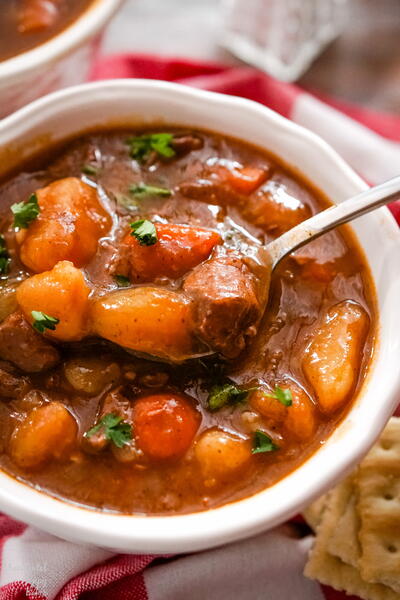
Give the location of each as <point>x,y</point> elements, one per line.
<point>165,425</point>
<point>179,248</point>
<point>245,180</point>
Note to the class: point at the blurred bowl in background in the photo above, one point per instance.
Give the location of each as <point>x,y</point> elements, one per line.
<point>66,59</point>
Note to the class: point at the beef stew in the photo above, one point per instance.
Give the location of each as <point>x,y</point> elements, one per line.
<point>127,254</point>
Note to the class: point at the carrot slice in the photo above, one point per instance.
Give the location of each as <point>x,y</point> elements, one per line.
<point>179,248</point>
<point>246,180</point>
<point>243,180</point>
<point>165,425</point>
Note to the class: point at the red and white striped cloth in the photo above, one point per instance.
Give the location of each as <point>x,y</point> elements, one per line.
<point>37,566</point>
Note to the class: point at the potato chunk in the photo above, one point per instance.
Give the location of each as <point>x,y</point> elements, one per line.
<point>151,320</point>
<point>91,375</point>
<point>332,360</point>
<point>300,422</point>
<point>69,225</point>
<point>221,454</point>
<point>273,411</point>
<point>61,293</point>
<point>48,432</point>
<point>295,421</point>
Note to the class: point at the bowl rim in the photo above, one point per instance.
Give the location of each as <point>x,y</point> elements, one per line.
<point>87,24</point>
<point>251,515</point>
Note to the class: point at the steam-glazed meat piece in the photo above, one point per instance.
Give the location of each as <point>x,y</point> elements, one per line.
<point>226,307</point>
<point>12,383</point>
<point>21,345</point>
<point>211,192</point>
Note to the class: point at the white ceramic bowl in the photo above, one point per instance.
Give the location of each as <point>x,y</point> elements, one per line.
<point>145,102</point>
<point>66,59</point>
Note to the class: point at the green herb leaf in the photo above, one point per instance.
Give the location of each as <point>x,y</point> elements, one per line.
<point>142,146</point>
<point>115,429</point>
<point>4,257</point>
<point>263,443</point>
<point>90,169</point>
<point>41,321</point>
<point>122,281</point>
<point>145,232</point>
<point>25,212</point>
<point>141,190</point>
<point>284,395</point>
<point>226,393</point>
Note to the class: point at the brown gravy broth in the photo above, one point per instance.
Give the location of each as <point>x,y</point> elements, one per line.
<point>297,303</point>
<point>25,24</point>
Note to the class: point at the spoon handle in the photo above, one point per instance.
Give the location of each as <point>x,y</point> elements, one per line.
<point>332,217</point>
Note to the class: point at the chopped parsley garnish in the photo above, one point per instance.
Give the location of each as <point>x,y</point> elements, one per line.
<point>140,147</point>
<point>41,321</point>
<point>4,257</point>
<point>90,169</point>
<point>263,443</point>
<point>114,428</point>
<point>145,232</point>
<point>226,393</point>
<point>141,190</point>
<point>25,212</point>
<point>122,281</point>
<point>284,395</point>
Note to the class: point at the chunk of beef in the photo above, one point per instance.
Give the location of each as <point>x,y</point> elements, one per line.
<point>21,345</point>
<point>205,190</point>
<point>226,307</point>
<point>187,142</point>
<point>12,383</point>
<point>114,403</point>
<point>117,404</point>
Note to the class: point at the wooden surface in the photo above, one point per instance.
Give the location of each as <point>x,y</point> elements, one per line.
<point>362,65</point>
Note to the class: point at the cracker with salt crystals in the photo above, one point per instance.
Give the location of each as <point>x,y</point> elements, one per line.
<point>379,509</point>
<point>344,540</point>
<point>331,570</point>
<point>313,512</point>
